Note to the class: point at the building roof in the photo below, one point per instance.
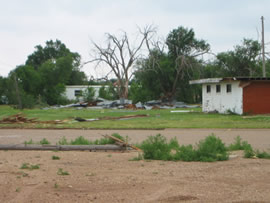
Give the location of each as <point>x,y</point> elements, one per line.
<point>217,80</point>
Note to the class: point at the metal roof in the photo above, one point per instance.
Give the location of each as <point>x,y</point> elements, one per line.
<point>217,80</point>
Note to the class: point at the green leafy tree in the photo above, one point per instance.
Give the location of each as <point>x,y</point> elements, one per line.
<point>166,74</point>
<point>242,61</point>
<point>89,94</point>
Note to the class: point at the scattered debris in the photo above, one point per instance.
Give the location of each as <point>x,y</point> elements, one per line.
<point>181,111</point>
<point>111,118</point>
<point>20,118</point>
<point>101,103</point>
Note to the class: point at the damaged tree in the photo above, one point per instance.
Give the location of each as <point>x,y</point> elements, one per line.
<point>120,55</point>
<point>169,66</point>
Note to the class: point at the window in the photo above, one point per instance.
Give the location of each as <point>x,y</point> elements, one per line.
<point>218,88</point>
<point>229,88</point>
<point>78,93</point>
<point>208,88</point>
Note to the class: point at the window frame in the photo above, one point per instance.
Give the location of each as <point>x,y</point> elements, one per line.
<point>208,89</point>
<point>218,88</point>
<point>229,88</point>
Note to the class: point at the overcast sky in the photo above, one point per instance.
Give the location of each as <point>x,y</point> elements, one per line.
<point>27,23</point>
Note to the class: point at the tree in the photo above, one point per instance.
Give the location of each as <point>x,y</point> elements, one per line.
<point>242,61</point>
<point>166,73</point>
<point>119,55</point>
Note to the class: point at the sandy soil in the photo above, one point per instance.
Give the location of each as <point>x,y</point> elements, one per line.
<point>111,177</point>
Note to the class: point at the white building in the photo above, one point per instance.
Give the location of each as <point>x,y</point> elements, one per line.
<point>75,91</point>
<point>239,95</point>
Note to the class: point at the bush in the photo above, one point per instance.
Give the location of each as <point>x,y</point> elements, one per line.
<point>157,148</point>
<point>108,93</point>
<point>208,150</point>
<point>80,141</point>
<point>211,149</point>
<point>89,94</point>
<point>238,144</point>
<point>44,141</point>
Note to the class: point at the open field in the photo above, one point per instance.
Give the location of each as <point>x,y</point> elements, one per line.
<point>111,177</point>
<point>156,119</point>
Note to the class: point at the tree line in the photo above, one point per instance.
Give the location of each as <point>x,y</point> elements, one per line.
<point>144,70</point>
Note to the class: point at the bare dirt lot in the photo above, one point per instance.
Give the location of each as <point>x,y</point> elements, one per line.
<point>112,177</point>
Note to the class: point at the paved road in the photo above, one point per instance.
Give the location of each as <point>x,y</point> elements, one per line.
<point>259,138</point>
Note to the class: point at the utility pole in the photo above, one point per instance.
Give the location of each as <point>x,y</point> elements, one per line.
<point>18,92</point>
<point>263,52</point>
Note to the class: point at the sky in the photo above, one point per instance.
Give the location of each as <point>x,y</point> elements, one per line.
<point>28,23</point>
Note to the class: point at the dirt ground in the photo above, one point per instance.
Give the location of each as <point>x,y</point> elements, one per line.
<point>112,177</point>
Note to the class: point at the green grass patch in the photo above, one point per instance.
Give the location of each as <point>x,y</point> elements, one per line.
<point>157,119</point>
<point>62,172</point>
<point>55,157</point>
<point>30,167</point>
<point>44,141</point>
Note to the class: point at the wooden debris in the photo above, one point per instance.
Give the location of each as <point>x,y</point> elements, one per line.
<point>111,118</point>
<point>20,119</point>
<point>121,142</point>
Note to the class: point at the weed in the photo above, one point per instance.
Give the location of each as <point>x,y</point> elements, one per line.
<point>109,156</point>
<point>30,167</point>
<point>138,158</point>
<point>238,144</point>
<point>155,173</point>
<point>44,141</point>
<point>63,141</point>
<point>56,185</point>
<point>62,172</point>
<point>55,157</point>
<point>29,142</point>
<point>80,141</point>
<point>18,189</point>
<point>263,155</point>
<point>211,149</point>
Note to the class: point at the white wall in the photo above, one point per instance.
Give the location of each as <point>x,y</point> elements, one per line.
<point>223,101</point>
<point>70,90</point>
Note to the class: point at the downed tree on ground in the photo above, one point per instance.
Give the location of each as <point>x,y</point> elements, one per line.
<point>111,118</point>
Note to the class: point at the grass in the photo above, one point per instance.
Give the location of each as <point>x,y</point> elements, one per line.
<point>157,119</point>
<point>30,167</point>
<point>55,157</point>
<point>62,172</point>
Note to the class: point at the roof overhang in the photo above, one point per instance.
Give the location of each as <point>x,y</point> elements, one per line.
<point>217,80</point>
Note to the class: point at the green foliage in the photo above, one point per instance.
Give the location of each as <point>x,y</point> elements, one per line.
<point>63,141</point>
<point>89,94</point>
<point>108,93</point>
<point>80,141</point>
<point>157,148</point>
<point>208,150</point>
<point>238,144</point>
<point>249,152</point>
<point>263,155</point>
<point>55,157</point>
<point>29,142</point>
<point>44,141</point>
<point>211,149</point>
<point>62,172</point>
<point>30,167</point>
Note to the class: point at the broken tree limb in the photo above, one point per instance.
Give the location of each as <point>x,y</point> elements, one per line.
<point>121,142</point>
<point>61,147</point>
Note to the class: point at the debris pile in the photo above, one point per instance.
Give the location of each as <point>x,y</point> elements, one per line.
<point>101,103</point>
<point>111,118</point>
<point>20,119</point>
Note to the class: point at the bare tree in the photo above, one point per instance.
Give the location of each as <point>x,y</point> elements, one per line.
<point>120,56</point>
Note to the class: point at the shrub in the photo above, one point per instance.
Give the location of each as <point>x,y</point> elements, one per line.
<point>185,153</point>
<point>263,155</point>
<point>157,148</point>
<point>211,149</point>
<point>44,141</point>
<point>80,141</point>
<point>55,157</point>
<point>62,172</point>
<point>89,94</point>
<point>238,144</point>
<point>63,141</point>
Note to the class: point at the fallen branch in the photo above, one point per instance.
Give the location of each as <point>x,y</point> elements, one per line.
<point>121,142</point>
